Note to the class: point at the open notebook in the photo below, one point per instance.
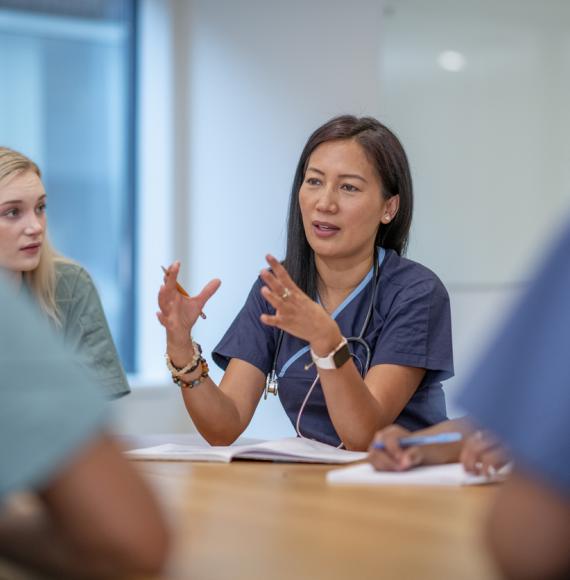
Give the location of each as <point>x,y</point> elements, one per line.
<point>450,474</point>
<point>292,449</point>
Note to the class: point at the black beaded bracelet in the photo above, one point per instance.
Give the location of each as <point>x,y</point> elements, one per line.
<point>191,384</point>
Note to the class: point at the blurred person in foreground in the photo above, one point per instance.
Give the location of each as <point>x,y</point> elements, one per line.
<point>98,518</point>
<point>520,392</point>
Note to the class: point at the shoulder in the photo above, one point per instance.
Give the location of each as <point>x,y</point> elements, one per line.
<point>402,276</point>
<point>255,298</point>
<point>72,280</point>
<point>71,274</point>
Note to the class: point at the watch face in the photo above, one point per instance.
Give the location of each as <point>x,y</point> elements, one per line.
<point>341,356</point>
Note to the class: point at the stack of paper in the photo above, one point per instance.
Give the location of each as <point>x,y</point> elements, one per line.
<point>450,474</point>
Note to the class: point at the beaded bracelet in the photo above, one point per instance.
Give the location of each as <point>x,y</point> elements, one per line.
<point>190,367</point>
<point>191,384</point>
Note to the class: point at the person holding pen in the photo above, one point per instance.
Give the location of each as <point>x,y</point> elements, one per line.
<point>396,449</point>
<point>61,289</point>
<point>351,335</point>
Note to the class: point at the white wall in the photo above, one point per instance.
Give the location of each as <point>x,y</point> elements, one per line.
<point>488,146</point>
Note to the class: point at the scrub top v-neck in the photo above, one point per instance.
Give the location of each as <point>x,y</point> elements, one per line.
<point>410,326</point>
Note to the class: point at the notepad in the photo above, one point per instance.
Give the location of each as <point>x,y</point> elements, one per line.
<point>292,449</point>
<point>450,474</point>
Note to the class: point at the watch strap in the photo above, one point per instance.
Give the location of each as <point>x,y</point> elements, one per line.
<point>335,359</point>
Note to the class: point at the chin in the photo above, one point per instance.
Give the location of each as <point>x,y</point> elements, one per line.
<point>28,266</point>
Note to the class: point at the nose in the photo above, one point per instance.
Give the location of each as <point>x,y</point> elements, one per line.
<point>34,225</point>
<point>327,201</point>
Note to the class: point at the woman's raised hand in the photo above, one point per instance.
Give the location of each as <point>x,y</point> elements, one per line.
<point>295,312</point>
<point>178,313</point>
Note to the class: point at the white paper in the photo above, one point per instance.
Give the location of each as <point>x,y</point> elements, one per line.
<point>449,474</point>
<point>292,449</point>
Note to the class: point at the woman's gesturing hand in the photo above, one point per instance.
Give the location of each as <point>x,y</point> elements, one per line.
<point>178,313</point>
<point>295,312</point>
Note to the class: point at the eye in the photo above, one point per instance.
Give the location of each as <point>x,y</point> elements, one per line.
<point>313,181</point>
<point>12,213</point>
<point>41,208</point>
<point>349,188</point>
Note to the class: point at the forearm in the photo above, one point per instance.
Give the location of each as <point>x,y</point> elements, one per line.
<point>449,453</point>
<point>98,519</point>
<point>52,552</point>
<point>213,413</point>
<point>354,411</point>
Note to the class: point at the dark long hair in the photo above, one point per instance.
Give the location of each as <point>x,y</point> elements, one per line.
<point>387,155</point>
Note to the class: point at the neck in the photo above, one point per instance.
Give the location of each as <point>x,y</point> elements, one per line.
<point>14,277</point>
<point>339,277</point>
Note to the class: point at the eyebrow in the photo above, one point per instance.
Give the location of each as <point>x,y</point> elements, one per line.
<point>343,176</point>
<point>19,201</point>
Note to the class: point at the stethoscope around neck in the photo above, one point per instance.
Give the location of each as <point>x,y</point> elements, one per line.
<point>272,379</point>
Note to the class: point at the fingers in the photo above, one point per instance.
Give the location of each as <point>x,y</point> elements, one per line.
<point>177,307</point>
<point>208,291</point>
<point>483,454</point>
<point>171,276</point>
<point>161,319</point>
<point>278,281</point>
<point>280,272</point>
<point>280,291</point>
<point>393,457</point>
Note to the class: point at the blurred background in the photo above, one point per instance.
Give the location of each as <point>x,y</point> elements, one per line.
<point>170,129</point>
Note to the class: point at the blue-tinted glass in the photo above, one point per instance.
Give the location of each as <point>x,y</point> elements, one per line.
<point>66,102</point>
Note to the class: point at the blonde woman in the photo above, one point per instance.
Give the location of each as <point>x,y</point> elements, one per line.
<point>62,289</point>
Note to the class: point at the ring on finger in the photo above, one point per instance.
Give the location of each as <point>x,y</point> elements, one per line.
<point>285,294</point>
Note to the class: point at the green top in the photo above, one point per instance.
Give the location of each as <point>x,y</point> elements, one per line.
<point>85,328</point>
<point>49,409</point>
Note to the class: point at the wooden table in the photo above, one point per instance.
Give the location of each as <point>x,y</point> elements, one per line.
<point>260,520</point>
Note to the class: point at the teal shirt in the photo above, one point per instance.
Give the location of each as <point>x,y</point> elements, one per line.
<point>85,328</point>
<point>49,409</point>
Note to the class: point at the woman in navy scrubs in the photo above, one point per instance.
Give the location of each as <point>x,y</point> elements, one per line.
<point>359,337</point>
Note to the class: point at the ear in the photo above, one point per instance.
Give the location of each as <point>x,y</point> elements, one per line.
<point>391,209</point>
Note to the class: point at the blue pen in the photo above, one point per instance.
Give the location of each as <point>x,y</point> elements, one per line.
<point>425,440</point>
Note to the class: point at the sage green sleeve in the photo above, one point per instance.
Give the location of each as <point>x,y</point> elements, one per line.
<point>85,328</point>
<point>49,409</point>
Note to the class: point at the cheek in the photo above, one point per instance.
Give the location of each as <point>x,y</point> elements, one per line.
<point>7,242</point>
<point>303,203</point>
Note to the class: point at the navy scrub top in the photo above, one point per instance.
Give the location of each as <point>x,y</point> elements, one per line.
<point>410,326</point>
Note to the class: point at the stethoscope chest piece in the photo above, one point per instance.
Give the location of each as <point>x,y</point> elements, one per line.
<point>271,384</point>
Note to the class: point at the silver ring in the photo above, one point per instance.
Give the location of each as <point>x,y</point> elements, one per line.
<point>285,294</point>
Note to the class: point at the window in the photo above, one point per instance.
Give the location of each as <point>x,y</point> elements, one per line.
<point>67,101</point>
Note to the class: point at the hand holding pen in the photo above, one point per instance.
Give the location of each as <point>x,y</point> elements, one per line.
<point>178,310</point>
<point>397,449</point>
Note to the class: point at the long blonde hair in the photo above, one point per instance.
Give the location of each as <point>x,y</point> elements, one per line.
<point>41,281</point>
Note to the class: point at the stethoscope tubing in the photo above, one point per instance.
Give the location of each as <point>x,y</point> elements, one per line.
<point>272,380</point>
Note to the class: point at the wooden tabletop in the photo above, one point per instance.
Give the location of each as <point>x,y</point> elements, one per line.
<point>261,520</point>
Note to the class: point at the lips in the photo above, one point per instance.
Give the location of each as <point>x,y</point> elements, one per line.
<point>324,229</point>
<point>325,226</point>
<point>31,247</point>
